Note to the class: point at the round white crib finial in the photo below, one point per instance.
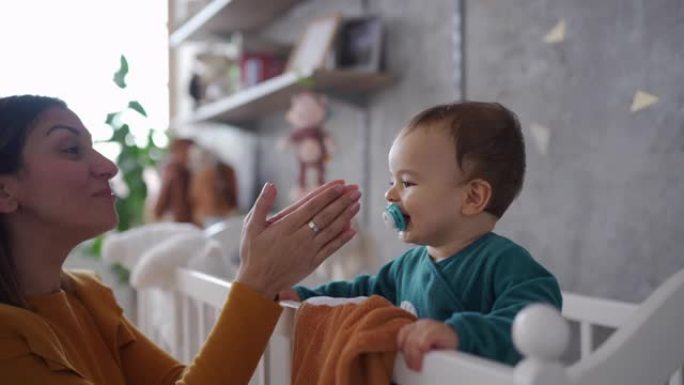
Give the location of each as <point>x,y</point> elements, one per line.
<point>539,331</point>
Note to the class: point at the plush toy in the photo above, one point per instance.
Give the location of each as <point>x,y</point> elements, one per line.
<point>213,187</point>
<point>313,146</point>
<point>196,186</point>
<point>174,200</point>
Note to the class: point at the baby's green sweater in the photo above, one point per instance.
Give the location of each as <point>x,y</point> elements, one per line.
<point>477,291</point>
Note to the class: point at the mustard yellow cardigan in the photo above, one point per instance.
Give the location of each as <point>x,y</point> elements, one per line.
<point>37,349</point>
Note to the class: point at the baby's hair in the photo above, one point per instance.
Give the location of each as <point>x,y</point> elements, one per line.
<point>489,145</point>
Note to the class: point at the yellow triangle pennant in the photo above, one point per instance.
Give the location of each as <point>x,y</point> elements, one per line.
<point>556,34</point>
<point>541,136</point>
<point>642,100</point>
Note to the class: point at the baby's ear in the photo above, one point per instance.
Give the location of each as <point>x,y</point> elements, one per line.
<point>8,200</point>
<point>477,192</point>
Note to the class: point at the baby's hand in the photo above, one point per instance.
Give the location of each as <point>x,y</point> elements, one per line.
<point>420,337</point>
<point>288,295</point>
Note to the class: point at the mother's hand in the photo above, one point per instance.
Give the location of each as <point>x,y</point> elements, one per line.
<point>279,251</point>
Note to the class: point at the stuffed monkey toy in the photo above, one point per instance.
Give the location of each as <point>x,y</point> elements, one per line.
<point>313,146</point>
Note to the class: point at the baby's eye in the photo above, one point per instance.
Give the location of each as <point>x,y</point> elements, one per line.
<point>407,184</point>
<point>391,183</point>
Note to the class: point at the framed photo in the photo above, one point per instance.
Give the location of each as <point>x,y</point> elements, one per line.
<point>314,45</point>
<point>359,44</point>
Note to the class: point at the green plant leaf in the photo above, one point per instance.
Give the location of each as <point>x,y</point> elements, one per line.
<point>134,105</point>
<point>124,216</point>
<point>110,118</point>
<point>119,135</point>
<point>96,246</point>
<point>131,161</point>
<point>120,75</point>
<point>121,273</point>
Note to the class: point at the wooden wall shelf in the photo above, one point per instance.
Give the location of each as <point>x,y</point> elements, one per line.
<point>221,17</point>
<point>274,94</point>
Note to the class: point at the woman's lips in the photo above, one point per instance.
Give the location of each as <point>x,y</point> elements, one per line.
<point>107,192</point>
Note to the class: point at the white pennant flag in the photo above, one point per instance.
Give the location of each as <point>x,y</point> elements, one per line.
<point>556,34</point>
<point>541,136</point>
<point>642,100</point>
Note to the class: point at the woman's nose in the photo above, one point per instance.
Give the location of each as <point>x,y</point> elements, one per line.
<point>103,167</point>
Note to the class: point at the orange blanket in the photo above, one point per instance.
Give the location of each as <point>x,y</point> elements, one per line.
<point>348,344</point>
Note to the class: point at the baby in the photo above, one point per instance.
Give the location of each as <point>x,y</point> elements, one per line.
<point>455,169</point>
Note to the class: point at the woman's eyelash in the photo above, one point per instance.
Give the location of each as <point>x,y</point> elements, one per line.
<point>74,150</point>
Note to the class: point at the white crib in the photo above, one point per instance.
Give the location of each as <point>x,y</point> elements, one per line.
<point>646,348</point>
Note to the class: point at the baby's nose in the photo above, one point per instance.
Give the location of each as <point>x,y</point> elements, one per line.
<point>391,195</point>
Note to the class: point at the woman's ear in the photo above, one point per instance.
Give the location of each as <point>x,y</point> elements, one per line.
<point>8,200</point>
<point>477,192</point>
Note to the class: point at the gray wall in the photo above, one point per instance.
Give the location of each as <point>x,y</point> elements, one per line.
<point>601,208</point>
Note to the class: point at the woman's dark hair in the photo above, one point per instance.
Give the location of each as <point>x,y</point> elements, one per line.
<point>18,114</point>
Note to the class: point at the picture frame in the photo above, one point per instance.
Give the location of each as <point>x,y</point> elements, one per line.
<point>359,44</point>
<point>314,45</point>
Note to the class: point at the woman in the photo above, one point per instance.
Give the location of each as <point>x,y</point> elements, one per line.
<point>60,327</point>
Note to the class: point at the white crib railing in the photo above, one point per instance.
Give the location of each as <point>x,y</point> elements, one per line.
<point>590,312</point>
<point>194,299</point>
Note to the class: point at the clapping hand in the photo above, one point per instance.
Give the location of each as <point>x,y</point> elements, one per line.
<point>279,251</point>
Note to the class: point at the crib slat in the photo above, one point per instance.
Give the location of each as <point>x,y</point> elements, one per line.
<point>195,329</point>
<point>143,311</point>
<point>278,361</point>
<point>177,325</point>
<point>279,352</point>
<point>677,378</point>
<point>258,378</point>
<point>185,310</point>
<point>215,314</point>
<point>201,323</point>
<point>586,339</point>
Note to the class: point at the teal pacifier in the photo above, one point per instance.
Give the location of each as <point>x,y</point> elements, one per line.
<point>394,218</point>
